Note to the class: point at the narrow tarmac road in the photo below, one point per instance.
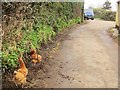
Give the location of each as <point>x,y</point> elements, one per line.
<point>87,58</point>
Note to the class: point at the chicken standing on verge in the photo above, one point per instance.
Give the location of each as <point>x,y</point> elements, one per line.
<point>35,57</point>
<point>20,75</point>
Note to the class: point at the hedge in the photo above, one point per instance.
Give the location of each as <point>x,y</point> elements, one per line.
<point>33,24</point>
<point>105,14</point>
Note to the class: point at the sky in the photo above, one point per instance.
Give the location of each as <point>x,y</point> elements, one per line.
<point>99,3</point>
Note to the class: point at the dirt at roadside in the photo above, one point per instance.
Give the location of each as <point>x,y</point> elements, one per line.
<point>47,53</point>
<point>86,57</point>
<point>116,38</point>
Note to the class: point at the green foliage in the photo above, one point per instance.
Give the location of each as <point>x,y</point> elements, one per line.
<point>33,24</point>
<point>104,14</point>
<point>107,5</point>
<point>9,59</point>
<point>109,16</point>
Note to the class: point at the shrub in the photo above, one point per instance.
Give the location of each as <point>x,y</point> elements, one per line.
<point>32,24</point>
<point>105,14</point>
<point>109,16</point>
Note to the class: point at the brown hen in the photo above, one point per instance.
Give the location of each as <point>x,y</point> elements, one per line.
<point>20,75</point>
<point>35,57</point>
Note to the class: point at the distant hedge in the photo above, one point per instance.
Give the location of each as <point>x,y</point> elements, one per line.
<point>34,24</point>
<point>105,14</point>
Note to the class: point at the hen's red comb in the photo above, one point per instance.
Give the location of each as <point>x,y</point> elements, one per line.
<point>20,58</point>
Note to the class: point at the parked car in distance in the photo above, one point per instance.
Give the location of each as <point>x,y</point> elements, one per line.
<point>88,14</point>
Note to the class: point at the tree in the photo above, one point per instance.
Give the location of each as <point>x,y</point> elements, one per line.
<point>90,7</point>
<point>107,5</point>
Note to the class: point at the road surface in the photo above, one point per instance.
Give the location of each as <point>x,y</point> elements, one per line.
<point>87,58</point>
